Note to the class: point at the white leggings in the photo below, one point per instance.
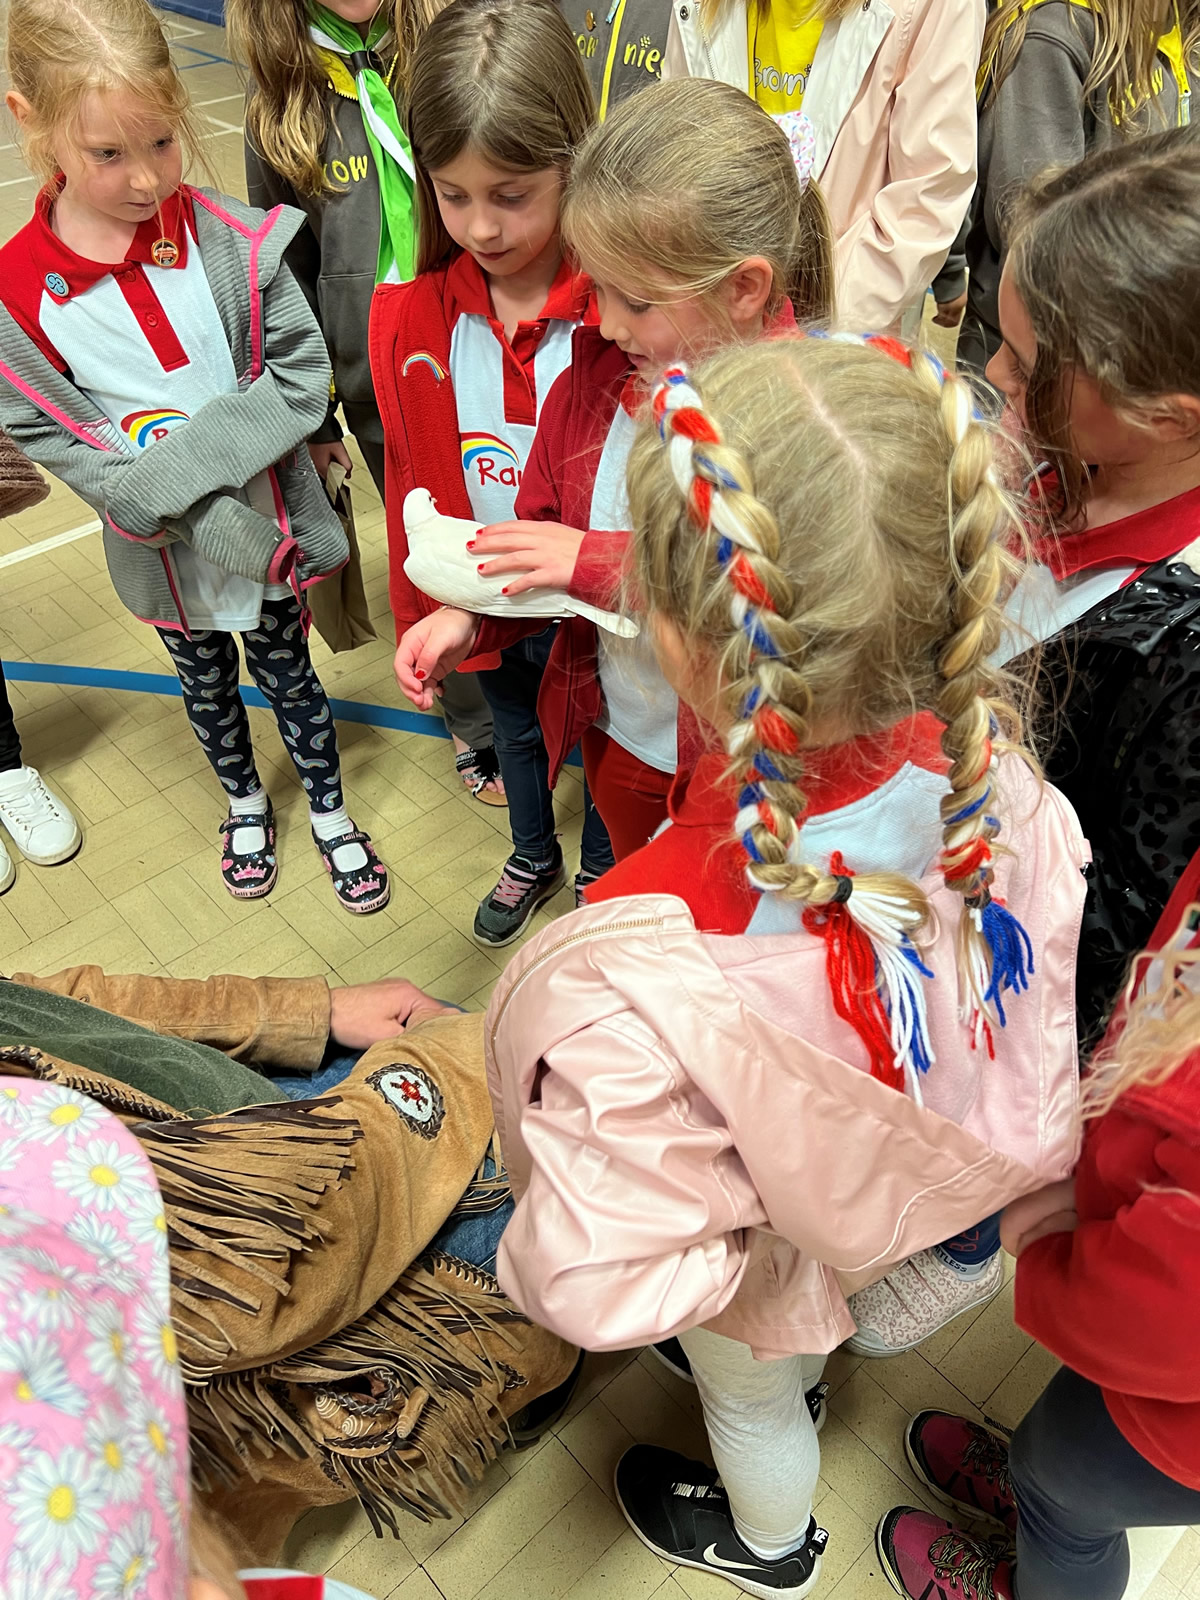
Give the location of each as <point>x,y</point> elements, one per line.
<point>763,1440</point>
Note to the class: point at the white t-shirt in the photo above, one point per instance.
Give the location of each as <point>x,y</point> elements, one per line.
<point>641,710</point>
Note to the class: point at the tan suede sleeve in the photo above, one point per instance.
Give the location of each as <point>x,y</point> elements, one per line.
<point>276,1022</point>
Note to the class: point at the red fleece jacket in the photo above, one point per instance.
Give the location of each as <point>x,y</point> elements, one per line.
<point>1118,1300</point>
<point>409,339</point>
<point>557,487</point>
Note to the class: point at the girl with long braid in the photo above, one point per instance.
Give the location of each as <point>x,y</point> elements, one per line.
<point>825,1018</point>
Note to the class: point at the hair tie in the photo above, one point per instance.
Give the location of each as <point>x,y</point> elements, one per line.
<point>802,140</point>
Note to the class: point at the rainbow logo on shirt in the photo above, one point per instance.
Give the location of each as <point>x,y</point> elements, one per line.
<point>146,427</point>
<point>422,358</point>
<point>491,458</point>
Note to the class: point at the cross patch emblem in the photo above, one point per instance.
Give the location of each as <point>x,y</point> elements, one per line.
<point>413,1095</point>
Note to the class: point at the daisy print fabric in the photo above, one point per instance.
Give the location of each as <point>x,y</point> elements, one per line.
<point>93,1440</point>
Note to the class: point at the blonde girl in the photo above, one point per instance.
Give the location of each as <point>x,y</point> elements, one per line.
<point>814,1025</point>
<point>465,356</point>
<point>1062,79</point>
<point>159,358</point>
<point>685,256</point>
<point>1113,1441</point>
<point>889,88</point>
<point>324,133</point>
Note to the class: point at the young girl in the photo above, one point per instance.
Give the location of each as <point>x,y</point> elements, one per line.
<point>742,1081</point>
<point>889,88</point>
<point>1108,1280</point>
<point>1092,387</point>
<point>1061,79</point>
<point>324,133</point>
<point>158,357</point>
<point>465,355</point>
<point>684,256</point>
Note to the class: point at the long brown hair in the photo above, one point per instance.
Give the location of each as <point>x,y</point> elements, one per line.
<point>1106,259</point>
<point>503,78</point>
<point>287,107</point>
<point>59,51</point>
<point>689,178</point>
<point>1124,57</point>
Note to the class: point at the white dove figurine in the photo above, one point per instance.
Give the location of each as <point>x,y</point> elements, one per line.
<point>441,566</point>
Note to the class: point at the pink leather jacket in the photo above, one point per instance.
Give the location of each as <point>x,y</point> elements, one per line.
<point>693,1136</point>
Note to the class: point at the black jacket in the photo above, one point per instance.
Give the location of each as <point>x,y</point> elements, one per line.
<point>1128,759</point>
<point>622,54</point>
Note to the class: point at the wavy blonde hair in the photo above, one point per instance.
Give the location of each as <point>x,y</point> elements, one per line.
<point>1161,1033</point>
<point>1124,57</point>
<point>287,107</point>
<point>57,52</point>
<point>878,542</point>
<point>687,179</point>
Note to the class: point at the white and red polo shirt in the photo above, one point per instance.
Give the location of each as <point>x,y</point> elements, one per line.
<point>146,343</point>
<point>499,384</point>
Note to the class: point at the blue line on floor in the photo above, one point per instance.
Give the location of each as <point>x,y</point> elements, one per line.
<point>164,683</point>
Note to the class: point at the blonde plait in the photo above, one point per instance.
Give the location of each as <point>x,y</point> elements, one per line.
<point>839,613</point>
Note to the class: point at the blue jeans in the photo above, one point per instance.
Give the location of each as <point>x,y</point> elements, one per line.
<point>975,1245</point>
<point>471,1236</point>
<point>512,692</point>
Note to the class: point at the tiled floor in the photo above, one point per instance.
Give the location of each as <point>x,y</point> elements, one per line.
<point>144,895</point>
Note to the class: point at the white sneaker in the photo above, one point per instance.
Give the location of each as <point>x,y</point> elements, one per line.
<point>917,1298</point>
<point>8,872</point>
<point>38,822</point>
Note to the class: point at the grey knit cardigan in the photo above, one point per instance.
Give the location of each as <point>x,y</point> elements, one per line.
<point>190,485</point>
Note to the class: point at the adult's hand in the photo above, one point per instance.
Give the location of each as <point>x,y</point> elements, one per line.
<point>365,1013</point>
<point>430,651</point>
<point>541,554</point>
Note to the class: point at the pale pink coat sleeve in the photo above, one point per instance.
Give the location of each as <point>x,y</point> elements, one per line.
<point>634,1208</point>
<point>888,256</point>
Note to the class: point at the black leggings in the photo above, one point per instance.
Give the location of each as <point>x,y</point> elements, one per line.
<point>1079,1485</point>
<point>279,662</point>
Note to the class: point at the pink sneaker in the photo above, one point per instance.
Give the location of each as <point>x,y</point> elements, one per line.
<point>963,1464</point>
<point>925,1558</point>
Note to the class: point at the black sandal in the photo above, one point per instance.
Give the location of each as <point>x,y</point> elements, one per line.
<point>249,874</point>
<point>479,768</point>
<point>360,889</point>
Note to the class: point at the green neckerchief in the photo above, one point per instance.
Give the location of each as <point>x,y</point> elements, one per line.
<point>389,147</point>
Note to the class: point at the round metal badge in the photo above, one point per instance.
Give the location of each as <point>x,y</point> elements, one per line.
<point>58,285</point>
<point>164,252</point>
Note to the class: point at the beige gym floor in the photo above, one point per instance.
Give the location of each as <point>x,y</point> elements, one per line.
<point>145,895</point>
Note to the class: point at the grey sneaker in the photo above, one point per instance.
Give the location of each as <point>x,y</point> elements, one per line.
<point>524,886</point>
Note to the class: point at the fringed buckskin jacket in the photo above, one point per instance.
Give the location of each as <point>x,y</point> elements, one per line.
<point>328,1352</point>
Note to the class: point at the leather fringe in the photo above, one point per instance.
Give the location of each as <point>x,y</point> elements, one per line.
<point>241,1189</point>
<point>402,1407</point>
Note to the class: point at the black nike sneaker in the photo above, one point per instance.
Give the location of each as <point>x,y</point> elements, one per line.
<point>679,1510</point>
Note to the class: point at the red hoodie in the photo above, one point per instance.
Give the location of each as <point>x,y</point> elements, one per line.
<point>1118,1300</point>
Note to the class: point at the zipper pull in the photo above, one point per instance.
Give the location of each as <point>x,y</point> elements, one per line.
<point>612,11</point>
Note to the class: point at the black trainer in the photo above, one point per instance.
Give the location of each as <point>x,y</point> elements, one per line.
<point>524,885</point>
<point>671,1353</point>
<point>679,1510</point>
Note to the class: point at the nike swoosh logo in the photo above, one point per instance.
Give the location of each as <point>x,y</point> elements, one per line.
<point>711,1556</point>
